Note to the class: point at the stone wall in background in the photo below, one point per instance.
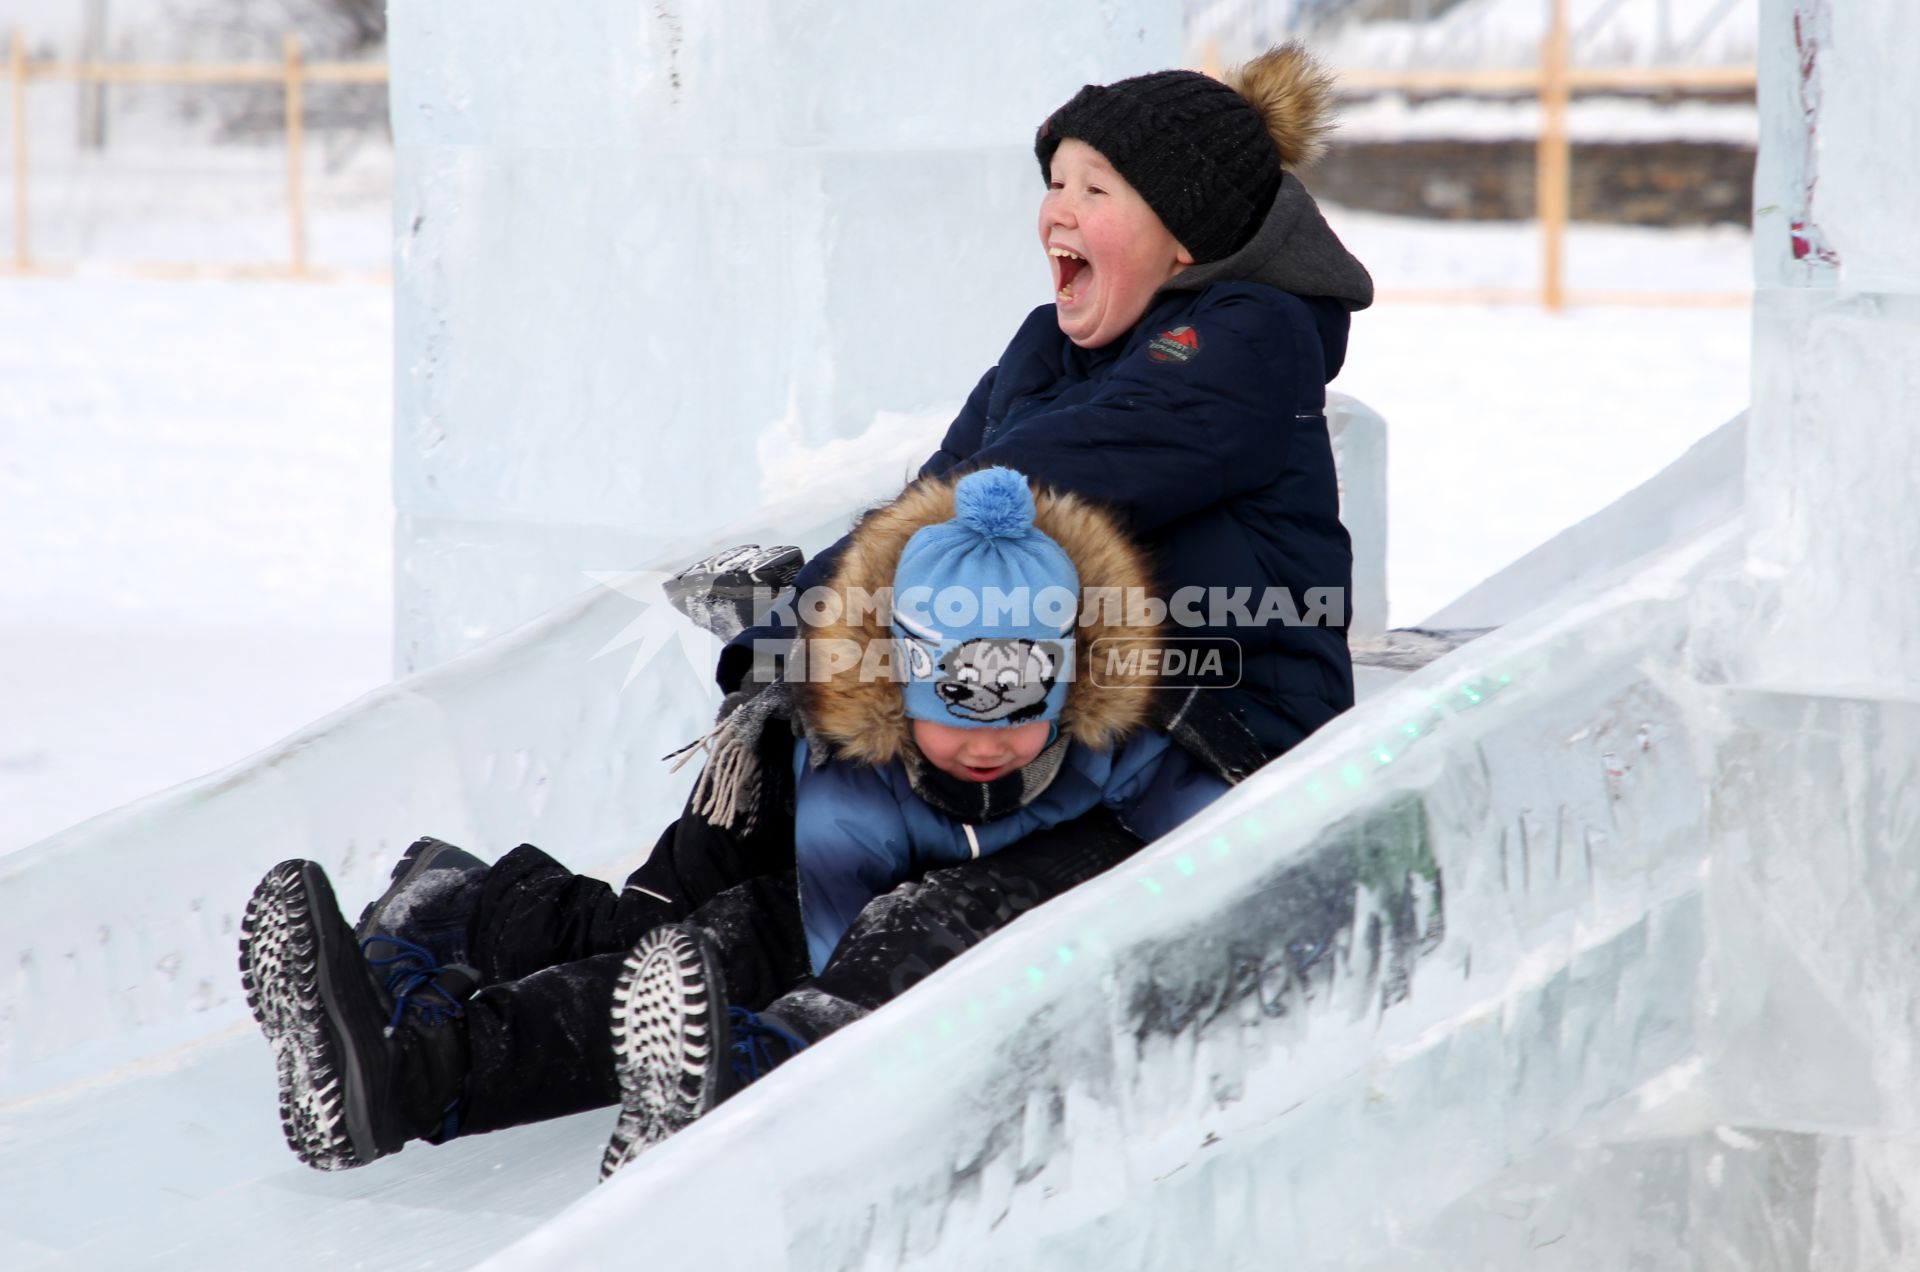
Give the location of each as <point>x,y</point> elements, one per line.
<point>1637,183</point>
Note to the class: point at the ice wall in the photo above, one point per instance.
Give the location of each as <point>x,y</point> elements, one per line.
<point>1837,344</point>
<point>1359,438</point>
<point>636,240</point>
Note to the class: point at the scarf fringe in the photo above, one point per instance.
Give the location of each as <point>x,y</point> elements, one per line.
<point>727,792</point>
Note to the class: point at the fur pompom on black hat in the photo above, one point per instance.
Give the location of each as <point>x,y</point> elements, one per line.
<point>1205,155</point>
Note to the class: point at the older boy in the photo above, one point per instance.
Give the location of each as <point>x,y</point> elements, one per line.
<point>976,725</point>
<point>1179,375</point>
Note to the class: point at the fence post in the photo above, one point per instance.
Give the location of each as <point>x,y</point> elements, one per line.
<point>17,74</point>
<point>1553,166</point>
<point>296,115</point>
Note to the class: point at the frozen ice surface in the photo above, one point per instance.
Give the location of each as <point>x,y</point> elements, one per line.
<point>178,1163</point>
<point>123,1023</point>
<point>1461,927</point>
<point>691,238</point>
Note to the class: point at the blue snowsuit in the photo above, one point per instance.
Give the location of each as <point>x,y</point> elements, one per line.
<point>860,830</point>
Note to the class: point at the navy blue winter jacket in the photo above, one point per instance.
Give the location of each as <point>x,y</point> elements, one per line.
<point>1204,429</point>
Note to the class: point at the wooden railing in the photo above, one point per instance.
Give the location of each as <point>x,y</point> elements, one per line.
<point>1554,80</point>
<point>293,73</point>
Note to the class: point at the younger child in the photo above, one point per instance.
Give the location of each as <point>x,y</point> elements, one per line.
<point>385,1034</point>
<point>991,724</point>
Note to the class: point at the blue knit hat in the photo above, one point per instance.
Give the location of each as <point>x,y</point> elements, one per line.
<point>984,608</point>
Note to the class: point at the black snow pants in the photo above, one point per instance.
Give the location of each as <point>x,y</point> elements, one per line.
<point>549,945</point>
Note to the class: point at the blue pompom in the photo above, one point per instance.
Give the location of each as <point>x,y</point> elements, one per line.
<point>995,503</point>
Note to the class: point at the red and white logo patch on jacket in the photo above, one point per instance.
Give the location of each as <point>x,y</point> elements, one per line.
<point>1175,344</point>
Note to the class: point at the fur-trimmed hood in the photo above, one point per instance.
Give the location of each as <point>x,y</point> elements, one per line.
<point>863,718</point>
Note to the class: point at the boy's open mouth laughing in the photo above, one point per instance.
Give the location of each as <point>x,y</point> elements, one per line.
<point>1069,267</point>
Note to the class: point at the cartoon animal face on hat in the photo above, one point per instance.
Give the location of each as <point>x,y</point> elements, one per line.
<point>984,611</point>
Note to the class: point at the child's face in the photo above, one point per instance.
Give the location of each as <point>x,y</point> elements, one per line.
<point>1123,251</point>
<point>980,755</point>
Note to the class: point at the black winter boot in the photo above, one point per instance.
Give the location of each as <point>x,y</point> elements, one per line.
<point>371,1052</point>
<point>435,891</point>
<point>678,1048</point>
<point>722,593</point>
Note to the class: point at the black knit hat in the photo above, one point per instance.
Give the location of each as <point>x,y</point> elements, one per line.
<point>1197,151</point>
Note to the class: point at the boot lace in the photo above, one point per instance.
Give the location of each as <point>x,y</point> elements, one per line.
<point>413,973</point>
<point>759,1045</point>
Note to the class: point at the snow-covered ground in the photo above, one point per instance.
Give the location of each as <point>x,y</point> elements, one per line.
<point>178,203</point>
<point>195,501</point>
<point>1406,254</point>
<point>209,205</point>
<point>1505,425</point>
<point>197,525</point>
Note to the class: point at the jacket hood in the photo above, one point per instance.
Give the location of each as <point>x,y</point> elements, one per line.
<point>864,719</point>
<point>1294,250</point>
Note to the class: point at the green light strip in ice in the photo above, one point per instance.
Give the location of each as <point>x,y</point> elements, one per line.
<point>1252,830</point>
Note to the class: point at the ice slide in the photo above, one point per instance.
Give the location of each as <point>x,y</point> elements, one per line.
<point>1137,1044</point>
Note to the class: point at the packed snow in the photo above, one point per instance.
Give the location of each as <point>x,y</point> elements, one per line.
<point>194,491</point>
